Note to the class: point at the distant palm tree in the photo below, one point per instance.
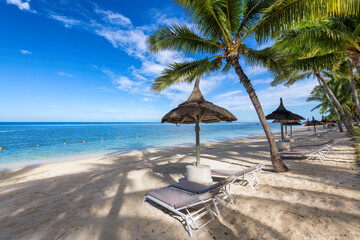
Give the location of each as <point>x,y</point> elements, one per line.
<point>342,89</point>
<point>220,30</point>
<point>338,36</point>
<point>309,49</point>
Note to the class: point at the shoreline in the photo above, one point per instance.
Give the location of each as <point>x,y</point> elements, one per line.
<point>95,156</point>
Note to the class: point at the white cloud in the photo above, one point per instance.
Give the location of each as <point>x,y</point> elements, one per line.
<point>266,45</point>
<point>25,52</point>
<point>126,84</point>
<point>67,21</point>
<point>127,112</point>
<point>133,42</point>
<point>104,89</point>
<point>146,99</point>
<point>113,111</point>
<point>115,18</point>
<point>64,74</point>
<point>262,81</point>
<point>22,5</point>
<point>294,95</point>
<point>253,71</point>
<point>228,94</point>
<point>179,92</point>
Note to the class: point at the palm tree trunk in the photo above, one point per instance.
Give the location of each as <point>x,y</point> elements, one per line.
<point>332,106</point>
<point>355,58</point>
<point>350,120</point>
<point>353,89</point>
<point>278,164</point>
<point>337,103</point>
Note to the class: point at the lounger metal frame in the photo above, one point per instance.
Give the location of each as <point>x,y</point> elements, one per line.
<point>188,216</point>
<point>312,153</point>
<point>251,180</point>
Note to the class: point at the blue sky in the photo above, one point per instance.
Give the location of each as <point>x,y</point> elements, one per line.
<point>88,61</point>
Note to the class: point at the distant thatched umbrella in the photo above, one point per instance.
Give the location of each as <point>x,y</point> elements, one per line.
<point>325,121</point>
<point>283,115</point>
<point>314,123</point>
<point>288,124</point>
<point>306,122</point>
<point>195,110</point>
<point>292,124</point>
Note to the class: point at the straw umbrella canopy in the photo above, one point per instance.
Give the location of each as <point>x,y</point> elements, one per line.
<point>314,123</point>
<point>325,121</point>
<point>283,115</point>
<point>306,122</point>
<point>196,110</point>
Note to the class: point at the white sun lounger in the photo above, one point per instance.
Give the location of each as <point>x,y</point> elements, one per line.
<point>179,202</point>
<point>309,151</point>
<point>247,175</point>
<point>325,146</point>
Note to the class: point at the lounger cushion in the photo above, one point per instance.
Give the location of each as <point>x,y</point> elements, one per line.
<point>192,187</point>
<point>177,198</point>
<point>198,188</point>
<point>315,146</point>
<point>217,185</point>
<point>220,172</point>
<point>303,152</point>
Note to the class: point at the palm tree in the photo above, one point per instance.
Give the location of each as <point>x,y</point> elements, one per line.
<point>338,36</point>
<point>305,57</point>
<point>221,28</point>
<point>338,119</point>
<point>341,89</point>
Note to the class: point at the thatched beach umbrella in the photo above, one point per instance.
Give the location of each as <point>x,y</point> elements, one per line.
<point>325,121</point>
<point>306,122</point>
<point>196,110</point>
<point>283,115</point>
<point>314,123</point>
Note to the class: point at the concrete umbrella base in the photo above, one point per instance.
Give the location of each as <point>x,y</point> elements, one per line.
<point>282,146</point>
<point>199,174</point>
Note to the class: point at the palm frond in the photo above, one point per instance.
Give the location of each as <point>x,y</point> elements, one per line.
<point>285,13</point>
<point>209,16</point>
<point>317,62</point>
<point>268,57</point>
<point>227,67</point>
<point>253,10</point>
<point>328,34</point>
<point>233,9</point>
<point>181,38</point>
<point>185,72</point>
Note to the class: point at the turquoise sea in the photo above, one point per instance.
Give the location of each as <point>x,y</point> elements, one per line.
<point>25,144</point>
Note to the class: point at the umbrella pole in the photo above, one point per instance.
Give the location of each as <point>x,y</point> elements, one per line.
<point>282,131</point>
<point>197,130</point>
<point>285,130</point>
<point>291,130</point>
<point>315,129</point>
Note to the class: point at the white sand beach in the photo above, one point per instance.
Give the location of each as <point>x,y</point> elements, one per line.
<point>102,198</point>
